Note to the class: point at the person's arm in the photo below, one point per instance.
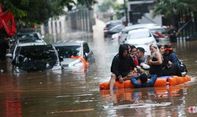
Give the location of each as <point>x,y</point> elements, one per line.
<point>134,81</point>
<point>173,58</point>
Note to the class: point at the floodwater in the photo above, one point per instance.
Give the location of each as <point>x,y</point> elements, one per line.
<point>75,93</point>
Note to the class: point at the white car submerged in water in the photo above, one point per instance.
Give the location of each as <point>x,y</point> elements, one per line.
<point>141,38</point>
<point>159,32</point>
<point>74,54</point>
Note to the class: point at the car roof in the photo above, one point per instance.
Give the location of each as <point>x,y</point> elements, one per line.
<point>117,26</point>
<point>139,30</point>
<point>31,44</point>
<point>28,32</point>
<point>136,26</point>
<point>69,43</point>
<point>114,21</point>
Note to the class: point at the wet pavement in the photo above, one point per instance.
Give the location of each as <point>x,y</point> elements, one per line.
<point>75,93</point>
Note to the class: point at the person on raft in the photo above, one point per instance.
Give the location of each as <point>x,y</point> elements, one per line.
<point>142,58</point>
<point>155,61</point>
<point>172,64</point>
<point>122,66</point>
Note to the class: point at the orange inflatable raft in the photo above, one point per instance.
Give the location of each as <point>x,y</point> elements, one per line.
<point>160,82</point>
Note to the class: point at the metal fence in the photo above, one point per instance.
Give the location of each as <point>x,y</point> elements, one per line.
<point>81,19</point>
<point>77,24</point>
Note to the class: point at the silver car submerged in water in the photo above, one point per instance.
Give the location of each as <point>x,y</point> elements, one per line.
<point>74,54</point>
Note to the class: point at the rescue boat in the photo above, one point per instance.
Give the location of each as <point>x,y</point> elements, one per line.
<point>160,82</point>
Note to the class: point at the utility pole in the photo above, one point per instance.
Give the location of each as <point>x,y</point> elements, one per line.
<point>126,13</point>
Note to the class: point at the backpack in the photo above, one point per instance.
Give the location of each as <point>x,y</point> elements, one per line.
<point>182,67</point>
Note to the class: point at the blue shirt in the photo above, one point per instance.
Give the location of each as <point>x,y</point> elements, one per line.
<point>149,83</point>
<point>173,58</point>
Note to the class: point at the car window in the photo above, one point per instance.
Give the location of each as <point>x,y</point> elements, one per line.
<point>23,35</point>
<point>86,48</point>
<point>111,24</point>
<point>68,51</point>
<point>117,28</point>
<point>27,38</point>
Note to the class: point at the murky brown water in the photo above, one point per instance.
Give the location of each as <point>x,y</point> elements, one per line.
<point>76,94</point>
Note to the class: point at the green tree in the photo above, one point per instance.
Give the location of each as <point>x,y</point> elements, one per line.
<point>39,11</point>
<point>105,5</point>
<point>87,3</point>
<point>108,4</point>
<point>171,8</point>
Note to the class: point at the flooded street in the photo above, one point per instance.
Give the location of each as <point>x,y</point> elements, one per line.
<point>76,93</point>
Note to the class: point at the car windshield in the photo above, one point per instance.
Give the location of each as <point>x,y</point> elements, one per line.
<point>27,38</point>
<point>38,51</point>
<point>28,34</point>
<point>138,34</point>
<point>137,26</point>
<point>117,28</point>
<point>37,57</point>
<point>111,24</point>
<point>68,51</point>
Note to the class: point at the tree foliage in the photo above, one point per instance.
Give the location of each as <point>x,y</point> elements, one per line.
<point>107,4</point>
<point>173,7</point>
<point>39,11</point>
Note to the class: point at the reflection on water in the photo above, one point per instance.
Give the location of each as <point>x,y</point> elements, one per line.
<point>186,51</point>
<point>10,101</point>
<point>146,102</point>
